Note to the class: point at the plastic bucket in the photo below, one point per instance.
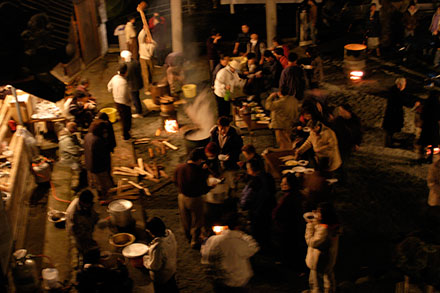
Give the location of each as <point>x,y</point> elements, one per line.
<point>111,112</point>
<point>50,278</point>
<point>189,90</point>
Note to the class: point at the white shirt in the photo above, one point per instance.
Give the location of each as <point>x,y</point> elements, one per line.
<point>118,86</point>
<point>161,258</point>
<point>130,32</point>
<point>226,77</point>
<point>228,256</point>
<point>146,50</point>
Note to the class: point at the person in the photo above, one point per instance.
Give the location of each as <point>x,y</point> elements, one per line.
<point>70,151</point>
<point>250,153</point>
<point>161,258</point>
<point>316,75</point>
<point>158,27</point>
<point>289,224</point>
<point>435,22</point>
<point>243,39</point>
<point>82,108</point>
<point>146,50</point>
<point>272,69</point>
<point>430,119</point>
<point>130,36</point>
<point>348,129</point>
<point>322,238</point>
<point>226,83</point>
<point>97,157</point>
<point>258,197</point>
<point>191,181</point>
<point>224,61</point>
<point>257,47</point>
<point>324,143</point>
<point>94,277</point>
<point>118,86</point>
<point>215,199</point>
<point>373,30</point>
<point>176,77</point>
<point>227,255</point>
<point>393,118</point>
<point>110,137</point>
<point>230,143</point>
<point>434,184</point>
<point>83,86</point>
<point>134,80</point>
<point>212,50</point>
<point>81,219</point>
<point>312,20</point>
<point>278,43</point>
<point>292,78</point>
<point>279,55</point>
<point>253,73</point>
<point>283,113</point>
<point>410,21</point>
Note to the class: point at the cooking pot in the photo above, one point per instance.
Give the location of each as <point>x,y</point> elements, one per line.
<point>120,212</point>
<point>196,138</point>
<point>166,104</point>
<point>159,90</point>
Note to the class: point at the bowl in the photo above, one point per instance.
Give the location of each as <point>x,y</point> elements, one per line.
<point>121,239</point>
<point>57,217</point>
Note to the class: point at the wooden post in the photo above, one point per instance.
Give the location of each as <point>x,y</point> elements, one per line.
<point>176,25</point>
<point>271,21</point>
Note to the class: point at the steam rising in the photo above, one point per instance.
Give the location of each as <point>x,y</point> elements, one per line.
<point>202,113</point>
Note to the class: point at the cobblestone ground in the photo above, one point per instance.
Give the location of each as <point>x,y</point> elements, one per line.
<point>383,200</point>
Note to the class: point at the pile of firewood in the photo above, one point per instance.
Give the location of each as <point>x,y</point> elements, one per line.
<point>158,146</point>
<point>151,172</point>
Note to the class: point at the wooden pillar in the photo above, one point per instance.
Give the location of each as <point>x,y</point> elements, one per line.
<point>271,21</point>
<point>176,25</point>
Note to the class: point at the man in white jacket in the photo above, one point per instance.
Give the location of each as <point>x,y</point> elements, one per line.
<point>227,256</point>
<point>226,83</point>
<point>161,258</point>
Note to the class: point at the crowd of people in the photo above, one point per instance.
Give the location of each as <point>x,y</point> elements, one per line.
<point>229,224</point>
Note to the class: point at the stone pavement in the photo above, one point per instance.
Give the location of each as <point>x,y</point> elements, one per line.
<point>366,98</point>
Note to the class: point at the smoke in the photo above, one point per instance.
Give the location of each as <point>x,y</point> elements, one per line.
<point>202,111</point>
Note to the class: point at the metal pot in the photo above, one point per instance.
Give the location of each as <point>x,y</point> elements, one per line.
<point>159,90</point>
<point>120,212</point>
<point>192,140</point>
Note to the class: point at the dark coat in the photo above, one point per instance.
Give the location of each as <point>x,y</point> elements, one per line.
<point>271,74</point>
<point>232,146</point>
<point>96,153</point>
<point>430,118</point>
<point>134,76</point>
<point>348,132</point>
<point>293,80</point>
<point>288,214</point>
<point>258,197</point>
<point>393,119</point>
<point>373,25</point>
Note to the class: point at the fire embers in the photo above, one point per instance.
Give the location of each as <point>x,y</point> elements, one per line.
<point>356,75</point>
<point>171,126</point>
<point>428,150</point>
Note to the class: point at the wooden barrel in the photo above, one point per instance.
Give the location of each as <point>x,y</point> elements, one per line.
<point>355,56</point>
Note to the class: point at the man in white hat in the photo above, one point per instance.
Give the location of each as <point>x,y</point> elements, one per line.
<point>134,80</point>
<point>226,83</point>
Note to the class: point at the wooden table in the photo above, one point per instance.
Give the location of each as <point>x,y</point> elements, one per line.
<point>274,164</point>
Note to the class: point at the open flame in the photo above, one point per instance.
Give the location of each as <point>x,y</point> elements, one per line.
<point>436,150</point>
<point>356,75</point>
<point>171,126</point>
